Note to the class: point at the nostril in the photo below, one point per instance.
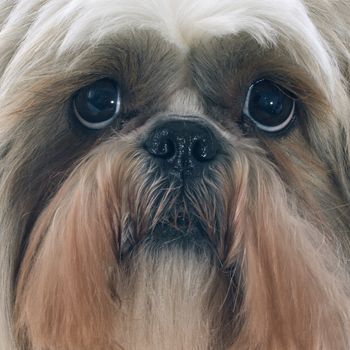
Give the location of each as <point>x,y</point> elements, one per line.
<point>164,149</point>
<point>161,145</point>
<point>204,149</point>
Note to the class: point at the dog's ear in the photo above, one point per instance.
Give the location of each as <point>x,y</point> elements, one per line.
<point>337,149</point>
<point>331,138</point>
<point>288,272</point>
<point>333,23</point>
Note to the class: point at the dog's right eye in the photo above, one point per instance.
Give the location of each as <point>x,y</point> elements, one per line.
<point>97,105</point>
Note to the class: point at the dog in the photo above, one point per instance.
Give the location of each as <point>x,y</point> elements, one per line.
<point>174,174</point>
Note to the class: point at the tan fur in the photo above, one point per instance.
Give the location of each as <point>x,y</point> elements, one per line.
<point>79,265</point>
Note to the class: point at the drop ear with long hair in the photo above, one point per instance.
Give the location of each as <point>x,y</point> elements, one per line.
<point>289,268</point>
<point>69,271</point>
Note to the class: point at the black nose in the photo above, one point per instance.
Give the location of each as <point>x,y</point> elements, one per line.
<point>184,146</point>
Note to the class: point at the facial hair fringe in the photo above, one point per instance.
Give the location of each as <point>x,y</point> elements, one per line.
<point>73,294</point>
<point>174,300</point>
<point>296,286</point>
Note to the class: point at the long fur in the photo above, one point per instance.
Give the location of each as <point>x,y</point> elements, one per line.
<point>80,267</point>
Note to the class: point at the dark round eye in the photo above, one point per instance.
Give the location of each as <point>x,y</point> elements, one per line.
<point>98,104</point>
<point>269,106</point>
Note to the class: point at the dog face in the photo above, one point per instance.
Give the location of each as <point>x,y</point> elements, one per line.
<point>174,174</point>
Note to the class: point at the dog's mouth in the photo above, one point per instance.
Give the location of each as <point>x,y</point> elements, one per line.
<point>181,231</point>
<point>177,213</point>
<point>180,226</point>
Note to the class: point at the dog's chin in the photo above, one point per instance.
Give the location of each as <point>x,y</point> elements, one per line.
<point>175,273</point>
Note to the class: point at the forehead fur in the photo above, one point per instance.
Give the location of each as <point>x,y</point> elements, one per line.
<point>179,21</point>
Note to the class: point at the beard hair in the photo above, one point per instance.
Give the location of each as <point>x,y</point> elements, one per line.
<point>258,276</point>
<point>179,293</point>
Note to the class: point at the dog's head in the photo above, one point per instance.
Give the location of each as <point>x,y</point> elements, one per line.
<point>174,174</point>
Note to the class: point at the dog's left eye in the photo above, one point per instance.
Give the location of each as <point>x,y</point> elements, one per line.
<point>97,105</point>
<point>269,106</point>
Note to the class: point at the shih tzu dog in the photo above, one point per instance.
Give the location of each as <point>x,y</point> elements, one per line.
<point>174,175</point>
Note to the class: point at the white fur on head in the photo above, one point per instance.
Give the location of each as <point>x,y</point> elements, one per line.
<point>179,21</point>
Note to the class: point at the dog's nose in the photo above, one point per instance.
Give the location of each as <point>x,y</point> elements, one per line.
<point>186,146</point>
